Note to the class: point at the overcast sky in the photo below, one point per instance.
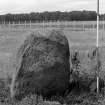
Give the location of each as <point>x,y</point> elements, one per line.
<point>26,6</point>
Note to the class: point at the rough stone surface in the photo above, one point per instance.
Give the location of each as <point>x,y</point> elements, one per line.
<point>42,65</point>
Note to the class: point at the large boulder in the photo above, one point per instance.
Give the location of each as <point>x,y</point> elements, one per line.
<point>42,65</point>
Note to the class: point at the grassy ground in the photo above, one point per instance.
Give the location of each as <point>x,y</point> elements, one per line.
<point>10,40</point>
<point>83,41</point>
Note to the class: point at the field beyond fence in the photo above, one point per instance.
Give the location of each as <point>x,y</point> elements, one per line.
<point>73,25</point>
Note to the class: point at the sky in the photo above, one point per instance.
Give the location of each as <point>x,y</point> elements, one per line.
<point>27,6</point>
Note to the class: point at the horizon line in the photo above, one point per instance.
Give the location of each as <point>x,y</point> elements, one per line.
<point>49,11</point>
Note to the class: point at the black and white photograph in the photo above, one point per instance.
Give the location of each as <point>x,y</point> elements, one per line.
<point>52,52</point>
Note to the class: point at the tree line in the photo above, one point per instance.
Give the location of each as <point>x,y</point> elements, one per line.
<point>51,16</point>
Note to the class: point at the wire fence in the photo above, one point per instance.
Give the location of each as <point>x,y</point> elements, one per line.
<point>73,25</point>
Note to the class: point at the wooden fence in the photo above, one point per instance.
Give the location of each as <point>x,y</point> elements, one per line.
<point>73,25</point>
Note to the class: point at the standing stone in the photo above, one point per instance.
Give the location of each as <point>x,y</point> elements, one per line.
<point>42,65</point>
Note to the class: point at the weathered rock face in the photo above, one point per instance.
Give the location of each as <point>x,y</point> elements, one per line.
<point>42,66</point>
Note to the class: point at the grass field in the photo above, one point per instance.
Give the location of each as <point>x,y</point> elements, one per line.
<point>11,39</point>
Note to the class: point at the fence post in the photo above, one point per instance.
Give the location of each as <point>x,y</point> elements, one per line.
<point>25,23</point>
<point>13,24</point>
<point>4,24</point>
<point>30,24</point>
<point>9,25</point>
<point>19,23</point>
